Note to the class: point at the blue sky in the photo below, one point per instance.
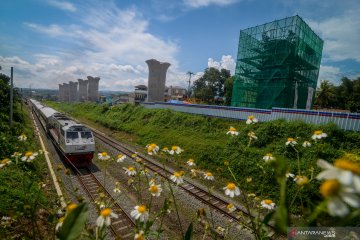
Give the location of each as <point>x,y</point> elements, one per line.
<point>54,41</point>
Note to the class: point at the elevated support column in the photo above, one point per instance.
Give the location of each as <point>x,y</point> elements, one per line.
<point>93,88</point>
<point>157,79</point>
<point>83,90</point>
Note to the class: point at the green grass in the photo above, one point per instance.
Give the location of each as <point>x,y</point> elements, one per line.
<point>204,139</point>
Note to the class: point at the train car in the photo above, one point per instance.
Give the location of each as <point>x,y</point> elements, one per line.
<point>74,140</point>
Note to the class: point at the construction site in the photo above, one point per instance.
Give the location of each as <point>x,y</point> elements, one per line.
<point>277,65</point>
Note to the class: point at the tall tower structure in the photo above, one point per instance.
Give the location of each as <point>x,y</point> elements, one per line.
<point>83,90</point>
<point>277,65</point>
<point>93,88</point>
<point>61,93</point>
<point>157,79</point>
<point>66,92</point>
<point>73,91</point>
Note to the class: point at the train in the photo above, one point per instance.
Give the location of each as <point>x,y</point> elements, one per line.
<point>75,141</point>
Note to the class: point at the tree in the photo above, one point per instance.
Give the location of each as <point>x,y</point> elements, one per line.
<point>228,87</point>
<point>325,94</point>
<point>211,84</point>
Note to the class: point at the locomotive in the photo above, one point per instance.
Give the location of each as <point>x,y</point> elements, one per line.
<point>74,140</point>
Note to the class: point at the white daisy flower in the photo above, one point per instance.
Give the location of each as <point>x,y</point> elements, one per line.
<point>177,178</point>
<point>29,156</point>
<point>252,135</point>
<point>16,154</point>
<point>191,162</point>
<point>22,137</point>
<point>208,176</point>
<point>301,180</point>
<point>5,162</point>
<point>117,187</point>
<point>231,190</point>
<point>291,142</point>
<point>339,197</point>
<point>267,203</point>
<point>268,157</point>
<point>103,156</point>
<point>155,190</point>
<point>105,217</point>
<point>232,131</point>
<point>306,144</point>
<point>345,171</point>
<point>165,150</point>
<point>251,120</point>
<point>175,149</point>
<point>120,158</point>
<point>193,172</point>
<point>139,236</point>
<point>140,212</point>
<point>152,149</point>
<point>231,208</point>
<point>289,175</point>
<point>59,223</point>
<point>131,171</point>
<point>318,135</point>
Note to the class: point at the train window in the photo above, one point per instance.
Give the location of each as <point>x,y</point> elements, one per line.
<point>72,135</point>
<point>86,135</point>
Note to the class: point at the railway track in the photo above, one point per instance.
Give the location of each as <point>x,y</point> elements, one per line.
<point>123,226</point>
<point>201,194</point>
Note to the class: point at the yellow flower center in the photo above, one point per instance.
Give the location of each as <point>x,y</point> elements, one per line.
<point>230,205</point>
<point>191,161</point>
<point>330,188</point>
<point>318,132</point>
<point>6,160</point>
<point>174,148</point>
<point>269,154</point>
<point>154,189</point>
<point>165,149</point>
<point>347,165</point>
<point>302,180</point>
<point>141,208</point>
<point>268,201</point>
<point>61,219</point>
<point>232,129</point>
<point>71,207</point>
<point>120,156</point>
<point>251,117</point>
<point>231,186</point>
<point>131,169</point>
<point>290,139</point>
<point>28,154</point>
<point>177,174</point>
<point>209,174</point>
<point>105,212</point>
<point>104,154</point>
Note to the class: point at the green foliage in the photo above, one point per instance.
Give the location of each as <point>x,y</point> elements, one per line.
<point>204,139</point>
<point>189,231</point>
<point>74,223</point>
<point>345,96</point>
<point>211,84</point>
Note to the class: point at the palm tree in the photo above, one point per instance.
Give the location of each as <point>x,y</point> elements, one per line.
<point>325,94</point>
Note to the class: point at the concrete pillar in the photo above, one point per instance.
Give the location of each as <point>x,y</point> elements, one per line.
<point>66,92</point>
<point>83,90</point>
<point>61,93</point>
<point>157,79</point>
<point>93,88</point>
<point>73,91</point>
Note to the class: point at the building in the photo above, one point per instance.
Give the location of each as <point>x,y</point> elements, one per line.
<point>277,65</point>
<point>175,93</point>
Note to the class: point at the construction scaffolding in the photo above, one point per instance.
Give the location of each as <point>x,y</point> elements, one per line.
<point>277,65</point>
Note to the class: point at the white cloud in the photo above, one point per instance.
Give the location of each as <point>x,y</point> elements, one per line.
<point>63,5</point>
<point>329,73</point>
<point>205,3</point>
<point>227,62</point>
<point>110,42</point>
<point>341,35</point>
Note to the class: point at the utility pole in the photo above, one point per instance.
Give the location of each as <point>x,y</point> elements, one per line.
<point>190,73</point>
<point>11,95</point>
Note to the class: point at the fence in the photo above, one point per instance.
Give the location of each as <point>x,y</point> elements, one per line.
<point>346,121</point>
